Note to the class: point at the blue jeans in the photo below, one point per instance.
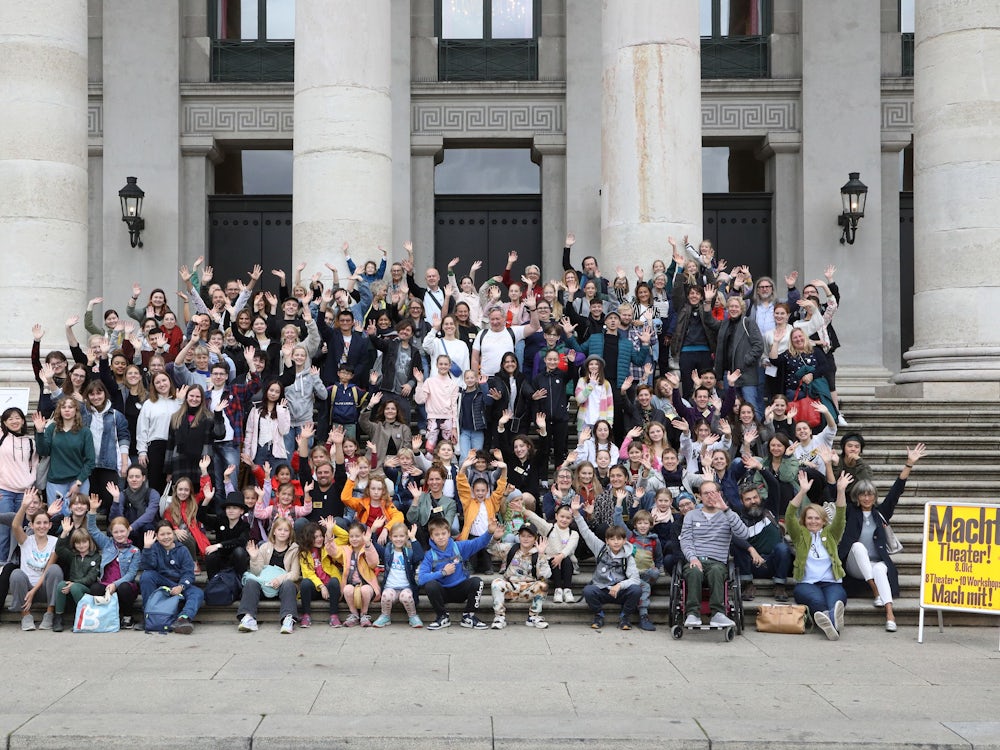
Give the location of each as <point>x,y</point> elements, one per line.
<point>754,395</point>
<point>62,489</point>
<point>224,453</point>
<point>819,597</point>
<point>469,440</point>
<point>9,503</point>
<point>193,596</point>
<point>776,565</point>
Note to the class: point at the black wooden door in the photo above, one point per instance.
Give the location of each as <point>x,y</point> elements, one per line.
<point>244,231</point>
<point>739,227</point>
<point>487,228</point>
<point>905,273</point>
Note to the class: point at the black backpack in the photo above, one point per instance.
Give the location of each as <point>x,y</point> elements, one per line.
<point>534,560</point>
<point>223,588</point>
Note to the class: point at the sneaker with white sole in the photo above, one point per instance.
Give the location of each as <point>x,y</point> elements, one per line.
<point>878,602</point>
<point>890,626</point>
<point>536,621</point>
<point>568,596</point>
<point>692,621</point>
<point>382,621</point>
<point>416,622</point>
<point>719,620</point>
<point>46,623</point>
<point>469,620</point>
<point>822,620</point>
<point>838,616</point>
<point>841,422</point>
<point>287,625</point>
<point>352,621</point>
<point>248,624</point>
<point>557,596</point>
<point>306,620</point>
<point>444,621</point>
<point>27,623</point>
<point>499,622</point>
<point>366,621</point>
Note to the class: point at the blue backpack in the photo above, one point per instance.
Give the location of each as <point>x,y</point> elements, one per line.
<point>223,588</point>
<point>160,611</point>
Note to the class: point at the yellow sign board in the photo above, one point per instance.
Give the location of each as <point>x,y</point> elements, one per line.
<point>960,569</point>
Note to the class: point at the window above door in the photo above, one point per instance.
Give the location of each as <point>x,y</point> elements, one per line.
<point>488,40</point>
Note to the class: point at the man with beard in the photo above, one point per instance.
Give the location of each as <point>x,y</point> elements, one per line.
<point>764,552</point>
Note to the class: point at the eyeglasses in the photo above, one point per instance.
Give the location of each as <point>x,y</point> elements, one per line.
<point>764,286</point>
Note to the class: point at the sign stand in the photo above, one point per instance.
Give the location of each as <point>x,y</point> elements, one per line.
<point>958,569</point>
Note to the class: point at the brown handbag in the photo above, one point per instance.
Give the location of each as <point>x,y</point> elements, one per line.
<point>783,618</point>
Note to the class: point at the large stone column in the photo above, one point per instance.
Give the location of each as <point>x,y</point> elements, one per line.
<point>841,125</point>
<point>956,112</point>
<point>43,173</point>
<point>141,86</point>
<point>651,129</point>
<point>342,184</point>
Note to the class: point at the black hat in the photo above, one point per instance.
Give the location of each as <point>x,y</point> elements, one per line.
<point>530,529</point>
<point>234,499</point>
<point>855,436</point>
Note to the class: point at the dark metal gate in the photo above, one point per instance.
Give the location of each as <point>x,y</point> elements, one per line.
<point>739,227</point>
<point>486,228</point>
<point>246,230</point>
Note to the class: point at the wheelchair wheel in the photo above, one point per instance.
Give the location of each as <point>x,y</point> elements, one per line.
<point>677,632</point>
<point>730,634</point>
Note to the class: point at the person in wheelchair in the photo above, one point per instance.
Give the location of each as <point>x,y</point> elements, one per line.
<point>705,539</point>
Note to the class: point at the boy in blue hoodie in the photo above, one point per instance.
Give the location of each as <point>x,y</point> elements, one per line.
<point>345,401</point>
<point>443,576</point>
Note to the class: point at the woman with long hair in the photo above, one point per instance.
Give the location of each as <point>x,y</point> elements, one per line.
<point>70,447</point>
<point>18,462</point>
<point>153,428</point>
<point>109,429</point>
<point>266,427</point>
<point>193,429</point>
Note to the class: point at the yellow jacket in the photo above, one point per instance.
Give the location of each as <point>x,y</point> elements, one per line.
<point>470,505</point>
<point>330,566</point>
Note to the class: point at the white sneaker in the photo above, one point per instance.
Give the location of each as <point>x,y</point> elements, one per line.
<point>248,624</point>
<point>27,623</point>
<point>841,422</point>
<point>568,596</point>
<point>878,602</point>
<point>287,625</point>
<point>719,620</point>
<point>46,623</point>
<point>838,616</point>
<point>557,596</point>
<point>499,622</point>
<point>536,621</point>
<point>822,619</point>
<point>692,621</point>
<point>890,626</point>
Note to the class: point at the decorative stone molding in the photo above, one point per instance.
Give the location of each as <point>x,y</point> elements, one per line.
<point>749,115</point>
<point>245,117</point>
<point>95,119</point>
<point>897,114</point>
<point>464,117</point>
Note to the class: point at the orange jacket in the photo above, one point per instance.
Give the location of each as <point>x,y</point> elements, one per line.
<point>470,505</point>
<point>362,506</point>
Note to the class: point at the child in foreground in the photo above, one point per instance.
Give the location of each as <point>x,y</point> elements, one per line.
<point>443,577</point>
<point>523,579</point>
<point>616,577</point>
<point>399,581</point>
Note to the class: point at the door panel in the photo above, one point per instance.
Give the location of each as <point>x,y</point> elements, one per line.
<point>486,229</point>
<point>905,273</point>
<point>739,227</point>
<point>244,231</point>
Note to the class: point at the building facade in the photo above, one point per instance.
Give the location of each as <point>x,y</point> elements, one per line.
<point>272,131</point>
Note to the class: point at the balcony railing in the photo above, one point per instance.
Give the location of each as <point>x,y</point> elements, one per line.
<point>907,54</point>
<point>488,60</point>
<point>735,57</point>
<point>252,61</point>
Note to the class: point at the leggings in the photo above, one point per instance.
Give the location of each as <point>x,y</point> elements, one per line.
<point>405,597</point>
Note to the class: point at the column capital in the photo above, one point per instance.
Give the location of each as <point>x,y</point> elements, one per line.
<point>201,145</point>
<point>547,145</point>
<point>895,142</point>
<point>779,143</point>
<point>426,145</point>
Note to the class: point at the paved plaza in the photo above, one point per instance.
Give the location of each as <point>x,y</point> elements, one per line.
<point>567,686</point>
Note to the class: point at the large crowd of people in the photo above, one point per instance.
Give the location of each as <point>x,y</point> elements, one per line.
<point>368,440</point>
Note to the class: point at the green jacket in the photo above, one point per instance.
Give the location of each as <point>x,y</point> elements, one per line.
<point>802,538</point>
<point>85,570</point>
<point>72,453</point>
